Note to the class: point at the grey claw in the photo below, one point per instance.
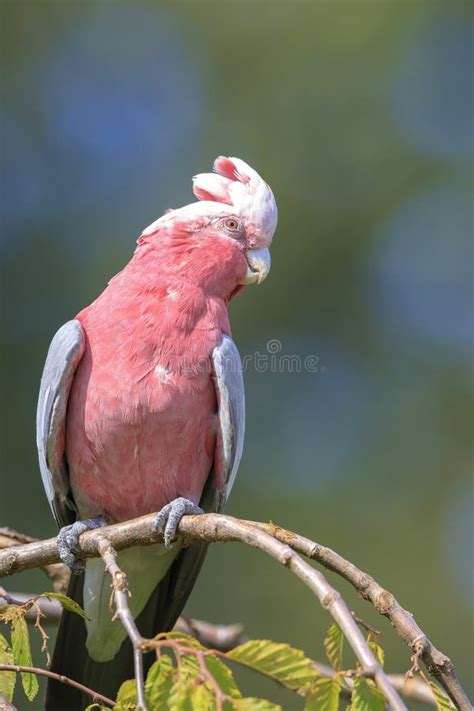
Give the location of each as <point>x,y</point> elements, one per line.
<point>68,538</point>
<point>170,516</point>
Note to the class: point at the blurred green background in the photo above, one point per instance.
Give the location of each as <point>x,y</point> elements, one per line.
<point>359,116</point>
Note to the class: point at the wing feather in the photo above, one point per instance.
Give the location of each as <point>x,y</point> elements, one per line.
<point>65,352</point>
<point>229,384</point>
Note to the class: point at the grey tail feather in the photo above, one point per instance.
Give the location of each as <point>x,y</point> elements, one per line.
<point>159,615</point>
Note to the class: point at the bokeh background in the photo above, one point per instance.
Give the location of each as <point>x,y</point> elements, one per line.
<point>359,115</point>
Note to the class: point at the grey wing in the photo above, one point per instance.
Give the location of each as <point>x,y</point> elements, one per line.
<point>65,352</point>
<point>229,384</point>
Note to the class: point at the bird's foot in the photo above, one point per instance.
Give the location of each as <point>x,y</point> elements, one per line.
<point>168,519</point>
<point>68,538</point>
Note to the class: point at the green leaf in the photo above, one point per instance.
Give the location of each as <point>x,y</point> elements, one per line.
<point>127,694</point>
<point>287,665</point>
<point>333,644</point>
<point>189,666</point>
<point>67,603</point>
<point>324,695</point>
<point>158,683</point>
<point>223,676</point>
<point>158,671</point>
<point>197,698</point>
<point>376,649</point>
<point>251,704</point>
<point>7,679</point>
<point>180,690</point>
<point>366,696</point>
<point>97,707</point>
<point>22,655</point>
<point>442,701</point>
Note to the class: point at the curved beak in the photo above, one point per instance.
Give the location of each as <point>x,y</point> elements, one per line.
<point>259,262</point>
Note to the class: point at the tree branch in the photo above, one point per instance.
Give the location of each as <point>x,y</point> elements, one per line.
<point>284,546</point>
<point>58,573</point>
<point>121,594</point>
<point>437,663</point>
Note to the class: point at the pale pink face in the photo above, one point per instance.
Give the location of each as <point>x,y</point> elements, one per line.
<point>236,184</point>
<point>235,203</point>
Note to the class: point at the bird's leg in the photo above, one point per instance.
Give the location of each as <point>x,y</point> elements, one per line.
<point>167,520</point>
<point>68,538</point>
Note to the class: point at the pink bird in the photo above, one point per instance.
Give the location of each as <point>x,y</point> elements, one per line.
<point>141,409</point>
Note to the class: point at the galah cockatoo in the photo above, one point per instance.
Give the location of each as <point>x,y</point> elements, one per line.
<point>141,409</point>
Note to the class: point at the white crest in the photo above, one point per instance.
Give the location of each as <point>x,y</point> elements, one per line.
<point>234,188</point>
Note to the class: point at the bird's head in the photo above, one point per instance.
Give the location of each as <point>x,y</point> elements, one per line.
<point>231,226</point>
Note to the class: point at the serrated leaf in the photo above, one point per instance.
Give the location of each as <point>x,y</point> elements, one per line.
<point>22,655</point>
<point>333,645</point>
<point>286,664</point>
<point>324,696</point>
<point>9,612</point>
<point>223,676</point>
<point>366,696</point>
<point>251,704</point>
<point>97,707</point>
<point>7,679</point>
<point>158,683</point>
<point>442,701</point>
<point>127,694</point>
<point>376,649</point>
<point>67,603</point>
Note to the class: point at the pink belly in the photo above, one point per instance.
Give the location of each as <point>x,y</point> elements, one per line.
<point>133,447</point>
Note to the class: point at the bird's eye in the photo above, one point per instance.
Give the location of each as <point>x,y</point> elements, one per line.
<point>232,224</point>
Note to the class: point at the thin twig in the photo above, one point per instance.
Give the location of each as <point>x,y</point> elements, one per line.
<point>362,623</point>
<point>141,531</point>
<point>99,698</point>
<point>7,598</point>
<point>50,609</point>
<point>45,637</point>
<point>123,612</point>
<point>207,676</point>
